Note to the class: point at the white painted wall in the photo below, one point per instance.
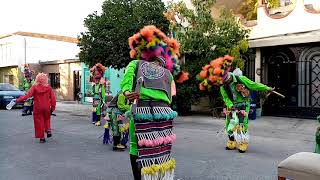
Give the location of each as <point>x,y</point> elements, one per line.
<point>11,51</point>
<point>299,20</point>
<point>37,49</point>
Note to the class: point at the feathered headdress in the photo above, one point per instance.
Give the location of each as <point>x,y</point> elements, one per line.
<point>215,73</point>
<point>97,72</point>
<point>27,73</point>
<point>150,43</point>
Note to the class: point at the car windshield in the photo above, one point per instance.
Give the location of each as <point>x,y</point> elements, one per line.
<point>8,87</point>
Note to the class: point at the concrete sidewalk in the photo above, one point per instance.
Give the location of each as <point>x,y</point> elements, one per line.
<point>276,127</point>
<point>73,108</point>
<point>300,129</point>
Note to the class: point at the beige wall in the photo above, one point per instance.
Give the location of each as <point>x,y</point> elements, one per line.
<point>10,71</point>
<point>36,68</point>
<point>66,90</point>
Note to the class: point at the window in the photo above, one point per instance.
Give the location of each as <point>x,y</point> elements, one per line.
<point>8,79</point>
<point>54,80</point>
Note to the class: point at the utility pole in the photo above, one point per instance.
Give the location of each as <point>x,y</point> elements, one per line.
<point>25,51</point>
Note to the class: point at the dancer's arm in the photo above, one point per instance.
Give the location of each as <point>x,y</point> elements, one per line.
<point>28,95</point>
<point>128,78</point>
<point>122,103</point>
<point>226,98</point>
<point>254,85</point>
<point>53,100</point>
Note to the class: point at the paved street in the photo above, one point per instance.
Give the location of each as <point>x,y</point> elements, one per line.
<point>76,153</point>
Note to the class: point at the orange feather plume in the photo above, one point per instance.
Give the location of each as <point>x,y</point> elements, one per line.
<point>202,87</point>
<point>174,45</point>
<point>133,53</point>
<point>204,73</point>
<point>183,77</point>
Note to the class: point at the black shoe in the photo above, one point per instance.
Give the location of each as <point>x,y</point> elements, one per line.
<point>240,151</point>
<point>228,148</point>
<point>118,148</point>
<point>24,114</point>
<point>49,134</point>
<point>42,140</point>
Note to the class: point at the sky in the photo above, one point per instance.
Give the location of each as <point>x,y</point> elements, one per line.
<point>60,17</point>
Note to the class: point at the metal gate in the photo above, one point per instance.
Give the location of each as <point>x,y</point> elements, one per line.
<point>295,72</point>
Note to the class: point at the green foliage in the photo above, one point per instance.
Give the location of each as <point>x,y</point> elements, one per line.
<point>248,8</point>
<point>203,39</point>
<point>106,38</point>
<point>273,3</point>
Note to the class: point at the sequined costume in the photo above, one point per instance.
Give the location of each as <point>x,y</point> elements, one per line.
<point>98,91</point>
<point>27,82</point>
<point>151,125</point>
<point>235,90</point>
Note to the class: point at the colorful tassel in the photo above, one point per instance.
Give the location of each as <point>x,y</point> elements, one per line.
<point>159,113</point>
<point>164,170</point>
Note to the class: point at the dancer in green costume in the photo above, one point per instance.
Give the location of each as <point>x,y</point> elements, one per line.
<point>117,120</point>
<point>235,90</point>
<point>149,83</point>
<point>26,85</point>
<point>98,91</point>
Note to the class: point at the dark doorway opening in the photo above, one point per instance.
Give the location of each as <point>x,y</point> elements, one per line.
<point>295,72</point>
<point>76,84</point>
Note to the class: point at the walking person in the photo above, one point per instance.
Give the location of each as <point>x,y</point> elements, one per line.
<point>44,104</point>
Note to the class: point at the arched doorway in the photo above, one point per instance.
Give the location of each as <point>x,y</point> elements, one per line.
<point>309,81</point>
<point>281,72</point>
<point>249,64</point>
<point>295,72</point>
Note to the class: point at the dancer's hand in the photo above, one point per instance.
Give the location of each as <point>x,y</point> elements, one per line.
<point>272,89</point>
<point>226,111</point>
<point>132,96</point>
<point>244,113</point>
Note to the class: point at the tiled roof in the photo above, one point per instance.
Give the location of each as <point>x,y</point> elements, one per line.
<point>44,36</point>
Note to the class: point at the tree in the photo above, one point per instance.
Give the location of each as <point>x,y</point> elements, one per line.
<point>203,39</point>
<point>106,38</point>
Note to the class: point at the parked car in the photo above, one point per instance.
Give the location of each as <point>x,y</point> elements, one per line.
<point>9,92</point>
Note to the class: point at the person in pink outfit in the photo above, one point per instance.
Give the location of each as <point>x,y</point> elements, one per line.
<point>44,105</point>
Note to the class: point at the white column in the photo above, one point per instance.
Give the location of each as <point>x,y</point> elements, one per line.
<point>257,63</point>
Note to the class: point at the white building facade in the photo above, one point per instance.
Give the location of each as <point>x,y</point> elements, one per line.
<point>21,48</point>
<point>287,46</point>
